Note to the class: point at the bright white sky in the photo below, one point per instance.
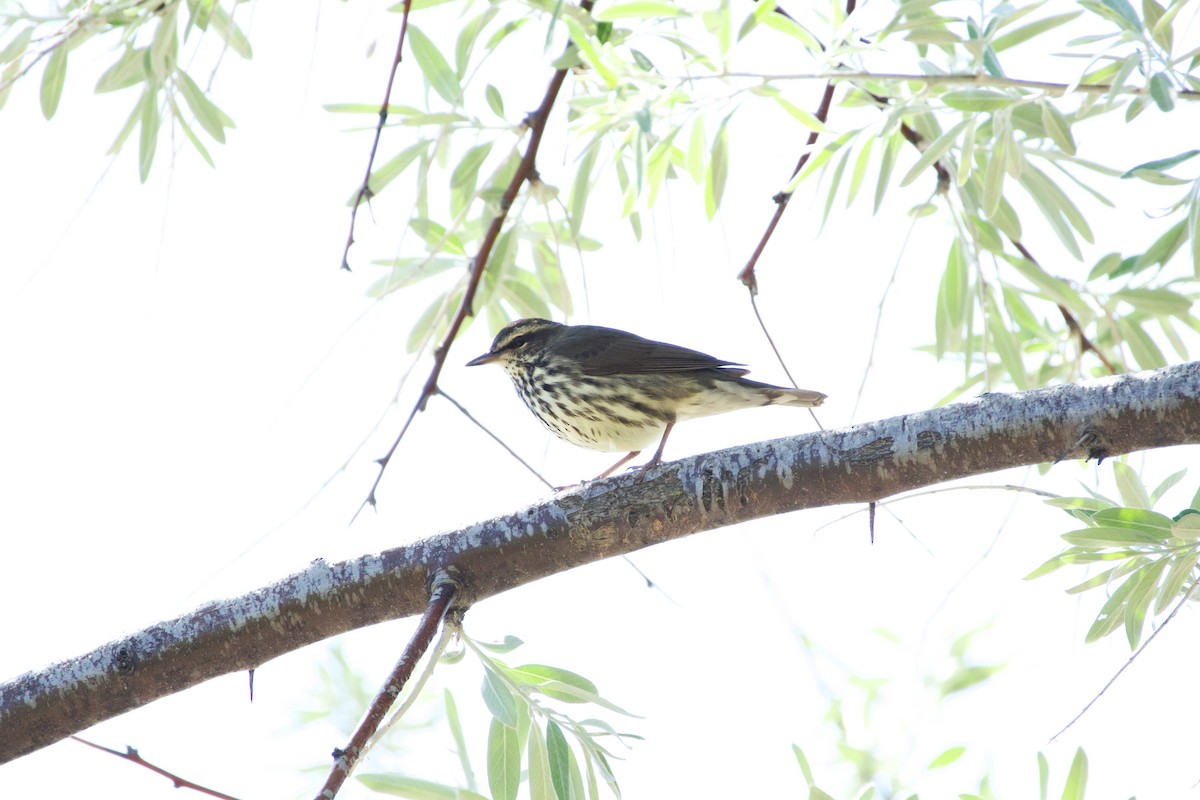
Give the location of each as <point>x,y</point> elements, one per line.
<point>184,367</point>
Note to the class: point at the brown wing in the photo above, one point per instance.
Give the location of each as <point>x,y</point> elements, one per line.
<point>606,351</point>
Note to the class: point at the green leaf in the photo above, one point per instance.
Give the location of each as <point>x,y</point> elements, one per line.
<point>467,36</point>
<point>804,767</point>
<point>1043,775</point>
<point>53,79</point>
<point>1111,614</point>
<point>1145,589</point>
<point>494,100</point>
<point>581,188</point>
<point>697,149</point>
<point>1181,573</point>
<point>1076,555</point>
<point>1193,225</point>
<point>787,25</point>
<point>17,45</point>
<point>860,169</point>
<point>1033,29</point>
<point>393,168</point>
<point>718,171</point>
<point>936,150</point>
<point>541,787</point>
<point>895,142</point>
<point>434,67</point>
<point>1164,247</point>
<point>460,740</point>
<point>805,118</point>
<point>1161,92</point>
<point>220,21</point>
<point>1109,536</point>
<point>559,755</point>
<point>129,70</point>
<point>993,175</point>
<point>1129,484</point>
<point>1076,778</point>
<point>978,100</point>
<point>1056,207</point>
<point>1144,350</point>
<point>506,645</point>
<point>639,9</point>
<point>1006,345</point>
<point>1126,12</point>
<point>1155,301</point>
<point>149,121</point>
<point>503,761</point>
<point>1105,266</point>
<point>499,699</point>
<point>1138,517</point>
<point>1059,129</point>
<point>165,46</point>
<point>212,119</point>
<point>947,757</point>
<point>953,301</point>
<point>1054,288</point>
<point>466,175</point>
<point>540,674</point>
<point>412,788</point>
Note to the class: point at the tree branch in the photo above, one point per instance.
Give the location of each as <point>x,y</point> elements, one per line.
<point>344,760</point>
<point>859,464</point>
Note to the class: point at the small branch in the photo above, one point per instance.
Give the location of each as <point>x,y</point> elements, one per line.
<point>1132,658</point>
<point>443,593</point>
<point>364,191</point>
<point>746,276</point>
<point>952,79</point>
<point>525,171</point>
<point>180,783</point>
<point>495,438</point>
<point>1085,344</point>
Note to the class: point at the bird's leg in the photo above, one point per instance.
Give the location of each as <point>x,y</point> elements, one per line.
<point>624,460</point>
<point>657,457</point>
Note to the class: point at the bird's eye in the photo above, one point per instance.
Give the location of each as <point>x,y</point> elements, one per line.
<point>517,343</point>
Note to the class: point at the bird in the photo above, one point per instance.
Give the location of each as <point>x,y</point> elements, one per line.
<point>610,390</point>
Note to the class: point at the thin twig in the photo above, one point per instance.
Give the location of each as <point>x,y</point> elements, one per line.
<point>1126,665</point>
<point>440,597</point>
<point>950,79</point>
<point>1085,344</point>
<point>525,171</point>
<point>364,191</point>
<point>180,783</point>
<point>495,438</point>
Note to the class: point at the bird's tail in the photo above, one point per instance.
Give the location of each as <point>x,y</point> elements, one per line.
<point>804,398</point>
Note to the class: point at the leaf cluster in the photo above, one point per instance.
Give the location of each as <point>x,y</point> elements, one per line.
<point>1153,556</point>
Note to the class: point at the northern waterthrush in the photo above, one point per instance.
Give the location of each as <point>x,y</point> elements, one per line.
<point>605,389</point>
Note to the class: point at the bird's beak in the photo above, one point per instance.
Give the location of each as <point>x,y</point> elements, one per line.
<point>486,358</point>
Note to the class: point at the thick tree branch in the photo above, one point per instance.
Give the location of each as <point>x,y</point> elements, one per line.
<point>860,464</point>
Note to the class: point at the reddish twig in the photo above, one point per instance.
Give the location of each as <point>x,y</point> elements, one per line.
<point>180,783</point>
<point>1085,344</point>
<point>364,191</point>
<point>536,122</point>
<point>746,276</point>
<point>442,594</point>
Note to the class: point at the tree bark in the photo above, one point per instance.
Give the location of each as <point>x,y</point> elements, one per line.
<point>859,464</point>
